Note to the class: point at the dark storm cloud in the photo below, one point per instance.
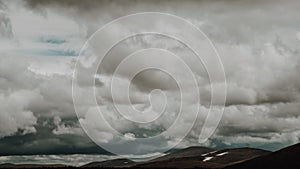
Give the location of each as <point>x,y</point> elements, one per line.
<point>47,144</point>
<point>46,141</point>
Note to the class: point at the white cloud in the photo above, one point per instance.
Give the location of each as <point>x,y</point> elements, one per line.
<point>14,114</point>
<point>61,128</point>
<point>298,36</point>
<point>129,136</point>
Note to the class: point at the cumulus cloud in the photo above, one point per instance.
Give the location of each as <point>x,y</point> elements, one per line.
<point>61,128</point>
<point>15,115</point>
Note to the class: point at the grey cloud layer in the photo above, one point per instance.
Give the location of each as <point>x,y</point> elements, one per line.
<point>258,45</point>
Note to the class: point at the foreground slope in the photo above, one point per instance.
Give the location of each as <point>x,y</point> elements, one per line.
<point>116,163</point>
<point>287,158</point>
<point>212,159</point>
<point>184,153</point>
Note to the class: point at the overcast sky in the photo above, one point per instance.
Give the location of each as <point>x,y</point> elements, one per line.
<point>258,43</point>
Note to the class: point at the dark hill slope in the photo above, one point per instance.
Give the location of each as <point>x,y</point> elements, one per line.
<point>287,158</point>
<point>212,159</point>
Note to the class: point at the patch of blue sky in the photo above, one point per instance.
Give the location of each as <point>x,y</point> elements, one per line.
<point>44,52</point>
<point>52,40</point>
<point>56,52</point>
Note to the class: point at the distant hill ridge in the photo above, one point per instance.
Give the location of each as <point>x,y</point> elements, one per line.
<point>9,165</point>
<point>202,158</point>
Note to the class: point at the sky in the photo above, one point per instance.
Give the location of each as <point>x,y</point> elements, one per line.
<point>257,41</point>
